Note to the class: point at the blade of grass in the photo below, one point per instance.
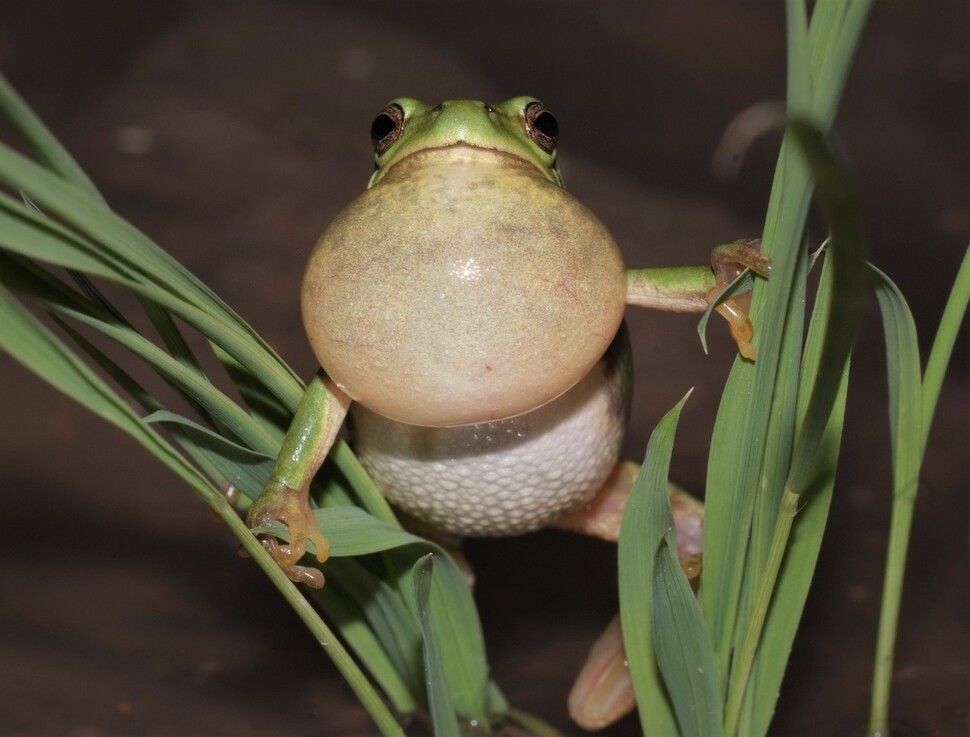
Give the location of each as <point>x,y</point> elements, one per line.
<point>387,614</point>
<point>127,254</point>
<point>806,535</point>
<point>351,532</point>
<point>643,528</point>
<point>44,145</point>
<point>262,405</point>
<point>946,337</point>
<point>34,236</point>
<point>27,232</point>
<point>684,651</point>
<point>243,467</point>
<point>352,673</point>
<point>24,338</point>
<point>439,699</point>
<point>912,405</point>
<point>28,341</point>
<point>839,203</point>
<point>905,415</point>
<point>347,618</point>
<point>736,466</point>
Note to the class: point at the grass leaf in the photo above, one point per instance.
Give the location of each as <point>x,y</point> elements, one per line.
<point>642,531</point>
<point>439,699</point>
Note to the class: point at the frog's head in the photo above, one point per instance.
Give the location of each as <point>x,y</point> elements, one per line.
<point>520,127</point>
<point>465,285</point>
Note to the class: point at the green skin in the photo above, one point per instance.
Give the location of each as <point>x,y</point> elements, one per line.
<point>428,161</point>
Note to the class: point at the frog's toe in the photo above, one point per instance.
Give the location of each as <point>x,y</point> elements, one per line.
<point>285,557</point>
<point>603,692</point>
<point>735,311</point>
<point>279,503</point>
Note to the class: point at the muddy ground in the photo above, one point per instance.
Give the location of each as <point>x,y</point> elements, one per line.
<point>231,132</point>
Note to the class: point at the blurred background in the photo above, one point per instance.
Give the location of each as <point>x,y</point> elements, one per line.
<point>232,132</point>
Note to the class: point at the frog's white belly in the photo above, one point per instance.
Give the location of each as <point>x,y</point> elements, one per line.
<point>506,477</point>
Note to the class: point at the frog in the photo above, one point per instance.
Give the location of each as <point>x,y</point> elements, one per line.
<point>467,313</point>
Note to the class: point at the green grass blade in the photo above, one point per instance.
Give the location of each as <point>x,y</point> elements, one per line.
<point>904,383</point>
<point>47,148</point>
<point>912,406</point>
<point>332,646</point>
<point>847,250</point>
<point>799,66</point>
<point>28,341</point>
<point>387,615</point>
<point>179,349</point>
<point>834,41</point>
<point>128,255</point>
<point>262,405</point>
<point>354,628</point>
<point>352,532</point>
<point>736,469</point>
<point>215,403</point>
<point>805,540</point>
<point>839,203</point>
<point>462,643</point>
<point>29,233</point>
<point>683,645</point>
<point>243,467</point>
<point>946,337</point>
<point>129,250</point>
<point>439,699</point>
<point>906,432</point>
<point>644,527</point>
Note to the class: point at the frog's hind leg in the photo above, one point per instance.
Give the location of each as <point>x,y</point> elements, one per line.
<point>603,692</point>
<point>601,516</point>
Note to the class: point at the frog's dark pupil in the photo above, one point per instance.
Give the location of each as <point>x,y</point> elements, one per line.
<point>546,123</point>
<point>382,127</point>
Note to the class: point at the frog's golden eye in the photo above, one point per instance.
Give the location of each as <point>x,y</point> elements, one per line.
<point>542,126</point>
<point>387,128</point>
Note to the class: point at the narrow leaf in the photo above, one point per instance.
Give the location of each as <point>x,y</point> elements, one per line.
<point>642,531</point>
<point>243,467</point>
<point>439,700</point>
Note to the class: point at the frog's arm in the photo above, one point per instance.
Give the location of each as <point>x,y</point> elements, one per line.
<point>693,288</point>
<point>285,497</point>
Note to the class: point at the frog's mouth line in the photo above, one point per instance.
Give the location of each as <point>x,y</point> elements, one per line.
<point>462,152</point>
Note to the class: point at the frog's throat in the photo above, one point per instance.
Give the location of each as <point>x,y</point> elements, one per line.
<point>458,154</point>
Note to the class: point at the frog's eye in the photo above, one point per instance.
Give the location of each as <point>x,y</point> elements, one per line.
<point>387,128</point>
<point>542,126</point>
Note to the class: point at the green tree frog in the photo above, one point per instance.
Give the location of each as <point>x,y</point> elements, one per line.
<point>471,311</point>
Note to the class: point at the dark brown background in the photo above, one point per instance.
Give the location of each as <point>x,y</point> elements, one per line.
<point>123,608</point>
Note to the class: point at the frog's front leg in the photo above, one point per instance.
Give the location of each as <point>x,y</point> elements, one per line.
<point>694,288</point>
<point>286,496</point>
<point>603,691</point>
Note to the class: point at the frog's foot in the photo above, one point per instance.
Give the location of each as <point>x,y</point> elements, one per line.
<point>282,503</point>
<point>728,261</point>
<point>603,692</point>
